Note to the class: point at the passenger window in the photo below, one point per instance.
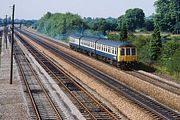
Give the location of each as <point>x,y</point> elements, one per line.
<point>122,51</point>
<point>133,51</point>
<point>127,51</point>
<point>109,49</point>
<point>112,50</point>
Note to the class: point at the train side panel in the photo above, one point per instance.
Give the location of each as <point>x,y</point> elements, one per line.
<point>74,42</point>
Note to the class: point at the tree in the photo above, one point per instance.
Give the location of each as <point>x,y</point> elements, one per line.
<point>111,24</point>
<point>64,26</point>
<point>177,28</point>
<point>102,25</point>
<point>155,44</point>
<point>134,18</point>
<point>58,24</point>
<point>120,22</point>
<point>123,33</point>
<point>167,14</point>
<point>149,24</point>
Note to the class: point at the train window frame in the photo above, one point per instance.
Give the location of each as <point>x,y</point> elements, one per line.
<point>122,51</point>
<point>103,47</point>
<point>108,50</point>
<point>112,50</point>
<point>133,52</point>
<point>93,45</point>
<point>128,51</point>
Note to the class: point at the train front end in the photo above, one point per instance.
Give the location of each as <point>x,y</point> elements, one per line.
<point>127,55</point>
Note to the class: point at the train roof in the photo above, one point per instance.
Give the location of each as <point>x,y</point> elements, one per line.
<point>75,36</point>
<point>104,41</point>
<point>88,38</point>
<point>115,43</point>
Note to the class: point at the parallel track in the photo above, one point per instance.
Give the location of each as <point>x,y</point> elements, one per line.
<point>160,83</point>
<point>140,99</point>
<point>39,102</point>
<point>90,108</point>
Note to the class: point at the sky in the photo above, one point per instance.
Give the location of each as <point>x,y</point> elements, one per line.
<point>35,9</point>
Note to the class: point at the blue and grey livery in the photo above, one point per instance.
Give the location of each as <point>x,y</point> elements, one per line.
<point>116,51</point>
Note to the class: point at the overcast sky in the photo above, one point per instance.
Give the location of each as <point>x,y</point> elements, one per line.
<point>35,9</point>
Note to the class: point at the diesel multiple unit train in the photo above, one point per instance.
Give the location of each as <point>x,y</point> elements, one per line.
<point>121,53</point>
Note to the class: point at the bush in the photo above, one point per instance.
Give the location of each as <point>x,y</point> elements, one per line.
<point>113,37</point>
<point>173,63</point>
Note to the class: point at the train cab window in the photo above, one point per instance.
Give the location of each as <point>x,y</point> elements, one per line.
<point>127,51</point>
<point>133,51</point>
<point>122,51</point>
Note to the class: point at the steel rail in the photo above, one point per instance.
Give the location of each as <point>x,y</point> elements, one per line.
<point>42,87</point>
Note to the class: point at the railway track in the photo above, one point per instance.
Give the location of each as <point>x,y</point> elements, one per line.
<point>90,108</point>
<point>39,102</point>
<point>162,111</point>
<point>160,83</point>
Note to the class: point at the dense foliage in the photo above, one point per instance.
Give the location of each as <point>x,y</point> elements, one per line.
<point>168,59</point>
<point>58,24</point>
<point>155,45</point>
<point>133,18</point>
<point>168,15</point>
